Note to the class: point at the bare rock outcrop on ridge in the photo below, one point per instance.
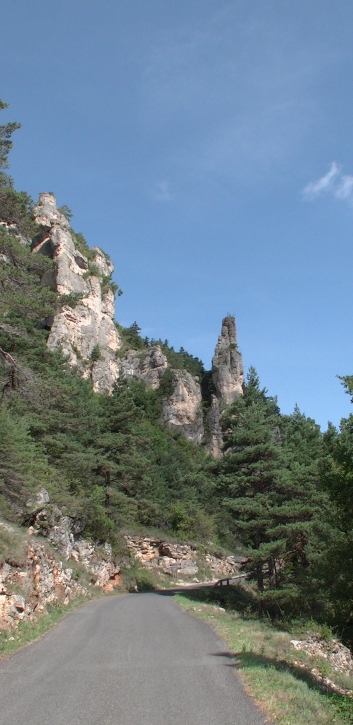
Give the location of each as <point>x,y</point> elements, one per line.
<point>215,438</point>
<point>182,410</point>
<point>227,364</point>
<point>85,331</point>
<point>84,328</point>
<point>147,365</point>
<point>227,378</point>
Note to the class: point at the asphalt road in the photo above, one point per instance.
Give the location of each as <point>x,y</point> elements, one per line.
<point>125,660</point>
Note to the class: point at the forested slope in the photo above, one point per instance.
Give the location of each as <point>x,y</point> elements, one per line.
<point>281,489</point>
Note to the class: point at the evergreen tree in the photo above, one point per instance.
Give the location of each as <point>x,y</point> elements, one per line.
<point>268,478</point>
<point>6,132</point>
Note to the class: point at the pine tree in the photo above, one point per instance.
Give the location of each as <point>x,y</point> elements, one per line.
<point>269,479</point>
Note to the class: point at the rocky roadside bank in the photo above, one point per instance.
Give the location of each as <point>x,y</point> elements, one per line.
<point>181,560</point>
<point>32,572</point>
<point>51,563</point>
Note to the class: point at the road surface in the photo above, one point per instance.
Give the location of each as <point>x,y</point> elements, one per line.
<point>126,660</point>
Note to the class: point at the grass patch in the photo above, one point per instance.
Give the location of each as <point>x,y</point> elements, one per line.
<point>262,654</point>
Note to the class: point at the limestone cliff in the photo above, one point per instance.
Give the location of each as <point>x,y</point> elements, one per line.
<point>147,365</point>
<point>36,575</point>
<point>85,331</point>
<point>182,410</point>
<point>181,560</point>
<point>215,439</point>
<point>227,378</point>
<point>227,364</point>
<point>84,328</point>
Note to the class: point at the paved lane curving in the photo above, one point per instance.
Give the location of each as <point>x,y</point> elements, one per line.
<point>125,660</point>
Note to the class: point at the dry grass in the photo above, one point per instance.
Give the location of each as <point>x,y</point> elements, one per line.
<point>287,693</point>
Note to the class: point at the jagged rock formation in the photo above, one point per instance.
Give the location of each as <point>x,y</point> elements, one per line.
<point>182,411</point>
<point>147,366</point>
<point>183,560</point>
<point>228,378</point>
<point>34,577</point>
<point>84,328</point>
<point>85,331</point>
<point>227,364</point>
<point>63,532</point>
<point>41,579</point>
<point>215,439</point>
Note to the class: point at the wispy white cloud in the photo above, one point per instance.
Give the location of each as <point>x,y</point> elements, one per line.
<point>338,185</point>
<point>162,192</point>
<point>345,189</point>
<point>322,185</point>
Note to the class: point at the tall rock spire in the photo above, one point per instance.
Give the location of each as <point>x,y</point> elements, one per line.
<point>227,364</point>
<point>227,378</point>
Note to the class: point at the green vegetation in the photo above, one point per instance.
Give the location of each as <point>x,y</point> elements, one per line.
<point>181,360</point>
<point>282,491</point>
<point>61,435</point>
<point>278,677</point>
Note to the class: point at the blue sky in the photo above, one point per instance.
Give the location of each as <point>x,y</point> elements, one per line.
<point>207,146</point>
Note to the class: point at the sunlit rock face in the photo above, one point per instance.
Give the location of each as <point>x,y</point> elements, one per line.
<point>84,328</point>
<point>214,438</point>
<point>147,365</point>
<point>228,379</point>
<point>182,410</point>
<point>227,364</point>
<point>85,331</point>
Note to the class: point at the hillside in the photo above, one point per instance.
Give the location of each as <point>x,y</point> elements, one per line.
<point>112,435</point>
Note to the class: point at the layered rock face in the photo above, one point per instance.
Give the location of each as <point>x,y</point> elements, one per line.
<point>40,578</point>
<point>227,364</point>
<point>228,379</point>
<point>83,329</point>
<point>147,366</point>
<point>182,411</point>
<point>215,438</point>
<point>182,560</point>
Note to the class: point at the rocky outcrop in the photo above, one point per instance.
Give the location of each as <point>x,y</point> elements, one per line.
<point>26,590</point>
<point>85,331</point>
<point>182,410</point>
<point>148,366</point>
<point>215,438</point>
<point>227,364</point>
<point>182,560</point>
<point>32,576</point>
<point>63,533</point>
<point>228,379</point>
<point>84,328</point>
<point>330,651</point>
<point>41,578</point>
